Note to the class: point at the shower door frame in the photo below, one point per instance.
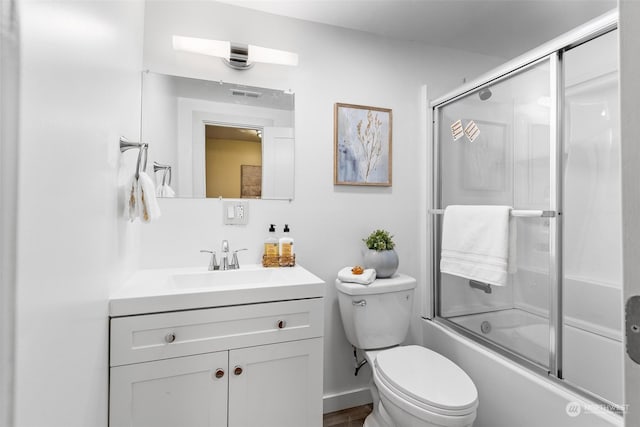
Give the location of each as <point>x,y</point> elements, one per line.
<point>553,52</point>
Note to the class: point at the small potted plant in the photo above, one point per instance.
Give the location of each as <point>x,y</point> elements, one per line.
<point>381,256</point>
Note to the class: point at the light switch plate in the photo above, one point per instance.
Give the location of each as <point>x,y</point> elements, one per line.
<point>235,212</point>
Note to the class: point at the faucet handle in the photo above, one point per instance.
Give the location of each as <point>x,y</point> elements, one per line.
<point>213,263</point>
<point>235,264</point>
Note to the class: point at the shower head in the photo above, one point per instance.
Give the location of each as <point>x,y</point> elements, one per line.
<point>485,94</point>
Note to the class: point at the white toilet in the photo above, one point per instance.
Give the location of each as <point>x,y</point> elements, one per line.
<point>412,386</point>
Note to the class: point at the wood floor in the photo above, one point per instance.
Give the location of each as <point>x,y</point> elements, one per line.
<point>351,417</point>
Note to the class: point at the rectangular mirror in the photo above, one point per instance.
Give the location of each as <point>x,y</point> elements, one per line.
<point>216,139</point>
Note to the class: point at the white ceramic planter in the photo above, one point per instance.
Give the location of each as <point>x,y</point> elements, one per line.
<point>384,262</point>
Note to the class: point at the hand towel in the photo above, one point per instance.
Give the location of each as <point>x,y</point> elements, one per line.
<point>148,208</point>
<point>131,199</point>
<point>478,242</point>
<point>165,190</point>
<point>366,278</point>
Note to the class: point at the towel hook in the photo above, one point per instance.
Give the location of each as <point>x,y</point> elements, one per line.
<point>125,145</point>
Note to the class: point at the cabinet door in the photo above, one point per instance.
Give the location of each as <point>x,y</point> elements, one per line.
<point>278,385</point>
<point>184,391</point>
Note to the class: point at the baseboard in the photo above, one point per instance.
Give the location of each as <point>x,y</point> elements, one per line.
<point>346,399</point>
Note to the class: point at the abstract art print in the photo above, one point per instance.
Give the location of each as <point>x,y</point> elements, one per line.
<point>362,145</point>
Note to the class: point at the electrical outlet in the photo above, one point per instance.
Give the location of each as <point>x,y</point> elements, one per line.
<point>235,212</point>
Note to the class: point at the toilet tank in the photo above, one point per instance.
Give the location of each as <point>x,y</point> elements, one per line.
<point>376,315</point>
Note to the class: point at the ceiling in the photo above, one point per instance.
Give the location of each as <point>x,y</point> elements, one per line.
<point>501,28</point>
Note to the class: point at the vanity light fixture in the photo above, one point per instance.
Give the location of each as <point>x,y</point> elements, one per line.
<point>236,55</point>
<point>221,49</point>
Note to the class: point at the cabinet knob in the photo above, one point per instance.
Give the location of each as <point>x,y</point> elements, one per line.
<point>282,324</point>
<point>237,370</point>
<point>219,373</point>
<point>170,337</point>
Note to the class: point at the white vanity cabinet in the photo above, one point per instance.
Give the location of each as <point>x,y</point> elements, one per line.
<point>184,391</point>
<point>252,365</point>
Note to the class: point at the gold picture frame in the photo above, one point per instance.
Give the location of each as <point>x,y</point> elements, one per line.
<point>362,142</point>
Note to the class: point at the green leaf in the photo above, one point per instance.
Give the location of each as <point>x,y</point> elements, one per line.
<point>379,240</point>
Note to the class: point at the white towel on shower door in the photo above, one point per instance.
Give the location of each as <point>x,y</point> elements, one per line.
<point>478,243</point>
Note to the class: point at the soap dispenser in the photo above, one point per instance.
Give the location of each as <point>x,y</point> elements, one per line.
<point>271,243</point>
<point>287,254</point>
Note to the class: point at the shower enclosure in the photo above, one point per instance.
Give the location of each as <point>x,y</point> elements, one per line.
<point>542,137</point>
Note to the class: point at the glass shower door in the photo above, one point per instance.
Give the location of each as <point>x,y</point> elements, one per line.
<point>592,272</point>
<point>507,162</point>
<point>545,137</point>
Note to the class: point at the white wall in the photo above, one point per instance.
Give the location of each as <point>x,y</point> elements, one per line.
<point>80,90</point>
<point>9,78</point>
<point>327,221</point>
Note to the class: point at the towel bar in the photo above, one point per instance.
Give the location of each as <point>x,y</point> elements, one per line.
<point>514,212</point>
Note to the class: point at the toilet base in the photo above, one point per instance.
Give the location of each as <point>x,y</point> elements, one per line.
<point>378,417</point>
<point>370,421</point>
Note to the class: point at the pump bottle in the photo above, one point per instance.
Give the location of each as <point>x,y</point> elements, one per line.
<point>286,243</point>
<point>271,248</point>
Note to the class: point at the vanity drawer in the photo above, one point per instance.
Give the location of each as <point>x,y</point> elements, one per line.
<point>136,339</point>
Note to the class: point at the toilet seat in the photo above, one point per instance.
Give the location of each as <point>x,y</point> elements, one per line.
<point>427,380</point>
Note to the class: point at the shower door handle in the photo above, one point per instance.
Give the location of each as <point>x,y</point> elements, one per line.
<point>484,287</point>
<point>632,327</point>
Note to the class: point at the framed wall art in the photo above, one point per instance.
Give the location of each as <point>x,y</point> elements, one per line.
<point>362,145</point>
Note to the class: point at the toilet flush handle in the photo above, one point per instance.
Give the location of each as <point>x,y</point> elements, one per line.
<point>360,303</point>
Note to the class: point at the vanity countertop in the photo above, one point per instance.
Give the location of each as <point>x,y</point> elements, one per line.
<point>160,290</point>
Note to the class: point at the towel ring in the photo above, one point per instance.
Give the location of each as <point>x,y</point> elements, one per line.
<point>167,171</point>
<point>143,152</point>
<point>125,145</point>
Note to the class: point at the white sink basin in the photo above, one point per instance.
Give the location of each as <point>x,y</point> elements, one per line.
<point>254,276</point>
<point>208,279</point>
<point>158,290</point>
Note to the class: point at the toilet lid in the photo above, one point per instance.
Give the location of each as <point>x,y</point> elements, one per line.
<point>428,377</point>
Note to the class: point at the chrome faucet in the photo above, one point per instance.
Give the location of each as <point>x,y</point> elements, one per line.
<point>213,264</point>
<point>224,261</point>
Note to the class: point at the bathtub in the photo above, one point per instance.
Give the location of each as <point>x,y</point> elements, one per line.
<point>592,355</point>
<point>511,394</point>
<point>517,330</point>
<point>516,318</point>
